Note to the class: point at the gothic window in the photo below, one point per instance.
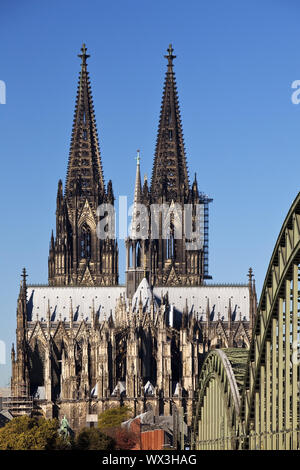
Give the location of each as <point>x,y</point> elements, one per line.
<point>171,243</point>
<point>85,242</point>
<point>138,257</point>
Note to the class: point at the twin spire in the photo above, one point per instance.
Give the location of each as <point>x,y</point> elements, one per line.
<point>170,174</point>
<point>84,166</point>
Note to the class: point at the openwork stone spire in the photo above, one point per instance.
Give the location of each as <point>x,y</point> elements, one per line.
<point>137,199</point>
<point>78,256</point>
<point>84,167</point>
<point>169,175</point>
<point>138,186</point>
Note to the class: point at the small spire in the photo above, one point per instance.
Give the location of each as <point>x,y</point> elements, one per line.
<point>138,187</point>
<point>229,311</point>
<point>137,198</point>
<point>23,285</point>
<point>186,306</point>
<point>145,266</point>
<point>207,311</point>
<point>138,157</point>
<point>84,55</point>
<point>13,354</point>
<point>170,55</point>
<point>24,275</point>
<point>71,310</point>
<point>48,310</point>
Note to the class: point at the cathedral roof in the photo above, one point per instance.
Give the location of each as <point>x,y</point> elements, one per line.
<point>198,299</point>
<point>218,296</point>
<point>105,299</point>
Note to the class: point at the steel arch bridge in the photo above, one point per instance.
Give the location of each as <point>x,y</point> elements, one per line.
<point>252,401</point>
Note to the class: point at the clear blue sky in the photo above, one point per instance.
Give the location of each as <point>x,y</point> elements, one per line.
<point>236,60</point>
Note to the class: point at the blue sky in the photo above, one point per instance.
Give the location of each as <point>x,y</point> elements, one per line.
<point>236,61</point>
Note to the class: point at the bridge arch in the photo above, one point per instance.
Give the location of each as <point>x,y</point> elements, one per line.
<point>218,407</point>
<point>270,400</point>
<point>268,413</point>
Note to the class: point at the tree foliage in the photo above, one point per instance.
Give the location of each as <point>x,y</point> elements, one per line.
<point>24,433</point>
<point>109,422</point>
<point>113,417</point>
<point>124,438</point>
<point>93,439</point>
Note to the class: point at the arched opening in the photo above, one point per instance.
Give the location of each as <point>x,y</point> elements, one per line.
<point>138,256</point>
<point>37,361</point>
<point>85,242</point>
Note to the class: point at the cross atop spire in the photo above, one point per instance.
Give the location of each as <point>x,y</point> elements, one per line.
<point>24,275</point>
<point>170,55</point>
<point>84,55</point>
<point>138,158</point>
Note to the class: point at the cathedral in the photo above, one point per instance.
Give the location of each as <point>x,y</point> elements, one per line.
<point>83,341</point>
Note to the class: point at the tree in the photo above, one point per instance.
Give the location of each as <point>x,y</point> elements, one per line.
<point>93,439</point>
<point>124,439</point>
<point>24,433</point>
<point>113,417</point>
<point>109,422</point>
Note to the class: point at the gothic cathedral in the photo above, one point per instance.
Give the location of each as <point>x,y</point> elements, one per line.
<point>84,342</point>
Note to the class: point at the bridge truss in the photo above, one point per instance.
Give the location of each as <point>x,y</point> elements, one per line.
<point>260,408</point>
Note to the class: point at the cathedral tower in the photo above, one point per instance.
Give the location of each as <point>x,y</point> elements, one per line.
<point>77,255</point>
<point>175,250</point>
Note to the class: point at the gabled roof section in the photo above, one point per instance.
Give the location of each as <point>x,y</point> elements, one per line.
<point>84,166</point>
<point>59,298</point>
<point>169,174</point>
<point>144,294</point>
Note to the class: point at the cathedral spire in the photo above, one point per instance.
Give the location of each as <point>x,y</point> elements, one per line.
<point>137,198</point>
<point>170,174</point>
<point>138,186</point>
<point>79,256</point>
<point>84,167</point>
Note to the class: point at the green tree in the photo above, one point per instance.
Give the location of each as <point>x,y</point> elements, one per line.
<point>113,417</point>
<point>24,433</point>
<point>93,439</point>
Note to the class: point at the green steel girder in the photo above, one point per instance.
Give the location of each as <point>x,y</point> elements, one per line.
<point>259,388</point>
<point>285,254</point>
<point>221,366</point>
